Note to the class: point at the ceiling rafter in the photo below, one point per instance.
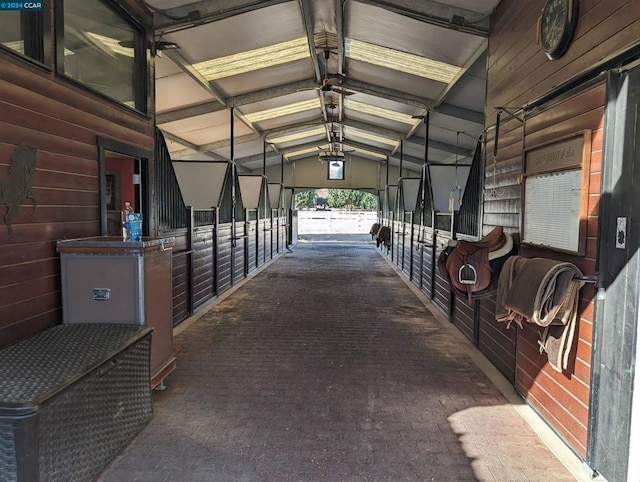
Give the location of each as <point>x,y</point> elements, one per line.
<point>476,55</point>
<point>271,92</point>
<point>258,157</point>
<point>305,10</point>
<point>204,11</point>
<point>440,146</point>
<point>385,93</point>
<point>186,67</point>
<point>346,142</point>
<point>460,113</point>
<point>428,11</point>
<point>212,146</point>
<point>190,147</point>
<point>191,111</point>
<point>436,13</point>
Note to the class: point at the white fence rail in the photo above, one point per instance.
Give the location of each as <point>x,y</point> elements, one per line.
<point>336,222</point>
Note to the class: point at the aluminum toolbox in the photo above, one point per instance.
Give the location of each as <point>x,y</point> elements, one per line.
<point>71,398</point>
<point>107,280</point>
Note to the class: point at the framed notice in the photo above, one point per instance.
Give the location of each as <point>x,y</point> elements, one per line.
<point>556,184</point>
<point>112,192</point>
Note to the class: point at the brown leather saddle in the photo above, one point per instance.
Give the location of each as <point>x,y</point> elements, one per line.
<point>473,268</point>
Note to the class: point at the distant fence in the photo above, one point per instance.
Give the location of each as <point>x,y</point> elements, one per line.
<point>333,222</point>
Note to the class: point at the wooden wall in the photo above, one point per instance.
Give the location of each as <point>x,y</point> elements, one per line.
<point>564,398</point>
<point>518,74</point>
<point>62,122</point>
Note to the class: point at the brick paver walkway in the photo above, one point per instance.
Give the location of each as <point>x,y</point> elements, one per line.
<point>326,366</point>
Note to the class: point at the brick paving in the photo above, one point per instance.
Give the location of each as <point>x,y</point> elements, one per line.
<point>327,367</point>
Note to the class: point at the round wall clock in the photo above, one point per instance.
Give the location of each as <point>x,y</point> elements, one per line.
<point>557,25</point>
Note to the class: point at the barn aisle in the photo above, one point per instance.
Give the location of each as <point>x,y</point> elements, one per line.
<point>326,366</point>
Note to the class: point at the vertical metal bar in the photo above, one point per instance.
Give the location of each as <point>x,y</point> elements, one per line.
<point>233,195</point>
<point>215,260</point>
<point>387,181</point>
<point>497,134</point>
<point>264,158</point>
<point>401,155</point>
<point>190,259</point>
<point>282,169</point>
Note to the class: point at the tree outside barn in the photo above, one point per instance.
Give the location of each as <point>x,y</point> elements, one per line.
<point>346,199</point>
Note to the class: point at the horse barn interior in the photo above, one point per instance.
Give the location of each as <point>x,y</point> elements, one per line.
<point>466,118</point>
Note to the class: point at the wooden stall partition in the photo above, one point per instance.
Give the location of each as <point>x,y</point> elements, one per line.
<point>264,215</point>
<point>239,248</point>
<point>263,241</point>
<point>406,229</point>
<point>254,198</point>
<point>286,229</point>
<point>181,280</point>
<point>61,122</point>
<point>223,258</point>
<point>253,241</point>
<point>275,223</point>
<point>418,255</point>
<point>428,261</point>
<point>464,317</point>
<point>176,221</point>
<point>274,232</point>
<point>494,341</point>
<point>204,259</point>
<point>442,296</point>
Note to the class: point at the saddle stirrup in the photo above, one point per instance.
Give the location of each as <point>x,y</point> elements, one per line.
<point>467,277</point>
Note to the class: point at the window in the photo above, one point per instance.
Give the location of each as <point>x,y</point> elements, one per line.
<point>336,170</point>
<point>102,49</point>
<point>22,31</point>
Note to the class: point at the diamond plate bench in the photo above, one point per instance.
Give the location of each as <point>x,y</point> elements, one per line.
<point>71,398</point>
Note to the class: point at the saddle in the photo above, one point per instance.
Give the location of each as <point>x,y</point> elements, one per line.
<point>383,237</point>
<point>473,268</point>
<point>374,230</point>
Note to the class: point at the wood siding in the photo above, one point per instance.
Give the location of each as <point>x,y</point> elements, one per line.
<point>239,251</point>
<point>253,246</point>
<point>204,263</point>
<point>463,316</point>
<point>261,239</point>
<point>564,398</point>
<point>407,250</point>
<point>416,273</point>
<point>62,121</point>
<point>428,258</point>
<point>180,280</point>
<point>442,288</point>
<point>518,74</point>
<point>223,258</point>
<point>495,342</point>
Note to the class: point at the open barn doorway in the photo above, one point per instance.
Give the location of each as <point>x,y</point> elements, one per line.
<point>335,215</point>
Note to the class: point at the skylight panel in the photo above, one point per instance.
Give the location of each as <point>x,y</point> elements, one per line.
<point>401,61</point>
<point>300,152</point>
<point>371,137</point>
<point>380,112</point>
<point>297,135</point>
<point>283,110</point>
<point>255,59</point>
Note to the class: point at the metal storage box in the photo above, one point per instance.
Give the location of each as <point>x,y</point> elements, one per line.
<point>71,398</point>
<point>108,280</point>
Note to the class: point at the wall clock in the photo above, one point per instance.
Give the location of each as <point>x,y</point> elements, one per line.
<point>557,25</point>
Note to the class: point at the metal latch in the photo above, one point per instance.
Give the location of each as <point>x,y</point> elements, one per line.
<point>101,294</point>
